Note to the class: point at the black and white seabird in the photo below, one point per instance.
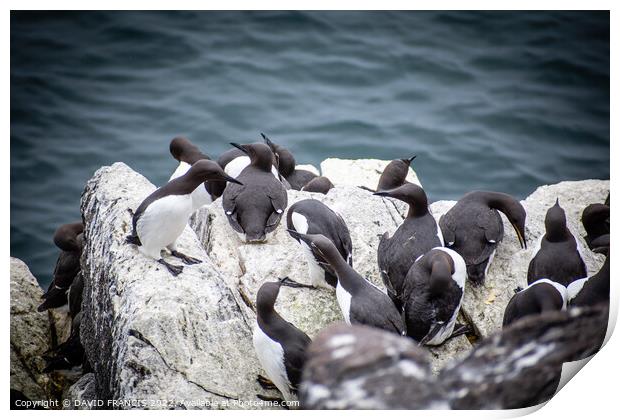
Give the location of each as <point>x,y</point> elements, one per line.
<point>540,296</point>
<point>417,235</point>
<point>557,255</point>
<point>69,238</point>
<point>433,295</point>
<point>360,301</point>
<point>320,184</point>
<point>593,290</point>
<point>279,345</point>
<point>595,220</point>
<point>187,154</point>
<point>163,215</point>
<point>394,174</point>
<point>68,355</point>
<point>75,295</point>
<point>297,178</point>
<point>255,208</point>
<point>313,217</point>
<point>474,228</point>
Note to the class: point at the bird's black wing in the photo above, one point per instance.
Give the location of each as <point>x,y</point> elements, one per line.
<point>231,193</point>
<point>491,224</point>
<point>279,201</point>
<point>448,225</point>
<point>295,356</point>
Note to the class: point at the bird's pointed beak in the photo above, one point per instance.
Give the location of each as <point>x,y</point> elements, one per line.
<point>300,236</point>
<point>285,281</point>
<point>520,237</point>
<point>408,161</point>
<point>382,193</point>
<point>229,178</point>
<point>266,139</point>
<point>240,147</point>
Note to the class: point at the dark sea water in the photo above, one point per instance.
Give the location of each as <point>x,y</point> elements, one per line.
<point>501,101</point>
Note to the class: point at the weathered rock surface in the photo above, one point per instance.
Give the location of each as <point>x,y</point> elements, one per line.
<point>247,266</point>
<point>485,305</point>
<point>357,367</point>
<point>82,395</point>
<point>149,335</point>
<point>358,172</point>
<point>30,335</point>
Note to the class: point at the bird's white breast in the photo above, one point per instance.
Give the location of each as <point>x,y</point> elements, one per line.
<point>271,356</point>
<point>181,170</point>
<point>574,288</point>
<point>300,222</point>
<point>344,301</point>
<point>164,220</point>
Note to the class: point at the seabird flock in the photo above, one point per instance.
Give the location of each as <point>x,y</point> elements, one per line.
<point>425,266</point>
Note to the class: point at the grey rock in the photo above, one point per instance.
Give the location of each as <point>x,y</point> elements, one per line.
<point>30,335</point>
<point>82,395</point>
<point>357,367</point>
<point>149,335</point>
<point>484,306</point>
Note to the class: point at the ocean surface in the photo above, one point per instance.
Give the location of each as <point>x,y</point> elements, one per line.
<point>487,100</point>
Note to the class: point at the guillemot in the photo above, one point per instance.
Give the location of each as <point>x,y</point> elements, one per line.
<point>313,217</point>
<point>360,301</point>
<point>417,234</point>
<point>432,296</point>
<point>279,345</point>
<point>595,220</point>
<point>254,209</point>
<point>540,296</point>
<point>394,174</point>
<point>474,228</point>
<point>557,256</point>
<point>162,216</point>
<point>69,238</point>
<point>320,184</point>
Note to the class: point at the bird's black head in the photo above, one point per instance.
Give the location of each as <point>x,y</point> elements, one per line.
<point>476,273</point>
<point>66,237</point>
<point>441,268</point>
<point>321,245</point>
<point>208,170</point>
<point>184,150</point>
<point>411,194</point>
<point>511,207</point>
<point>266,297</point>
<point>394,174</point>
<point>555,223</point>
<point>260,154</point>
<point>286,160</point>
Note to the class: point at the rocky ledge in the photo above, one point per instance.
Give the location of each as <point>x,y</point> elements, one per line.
<point>150,336</point>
